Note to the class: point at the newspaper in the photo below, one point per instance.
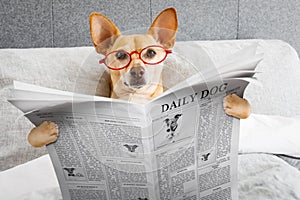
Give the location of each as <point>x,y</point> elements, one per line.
<point>180,145</point>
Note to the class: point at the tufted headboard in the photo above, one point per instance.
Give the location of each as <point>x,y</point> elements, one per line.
<point>64,23</point>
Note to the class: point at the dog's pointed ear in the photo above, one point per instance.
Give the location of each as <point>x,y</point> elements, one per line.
<point>177,116</point>
<point>167,121</point>
<point>103,32</point>
<point>164,27</point>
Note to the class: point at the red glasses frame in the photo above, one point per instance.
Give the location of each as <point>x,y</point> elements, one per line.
<point>103,61</point>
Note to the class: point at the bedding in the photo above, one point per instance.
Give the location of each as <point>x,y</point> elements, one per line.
<point>270,134</point>
<point>72,69</point>
<point>261,176</point>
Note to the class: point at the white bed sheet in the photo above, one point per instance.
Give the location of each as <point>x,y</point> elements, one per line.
<point>270,134</point>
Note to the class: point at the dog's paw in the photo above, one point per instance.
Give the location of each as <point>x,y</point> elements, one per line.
<point>236,106</point>
<point>44,134</point>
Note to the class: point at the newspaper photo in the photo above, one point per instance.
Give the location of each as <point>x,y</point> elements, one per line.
<point>180,145</point>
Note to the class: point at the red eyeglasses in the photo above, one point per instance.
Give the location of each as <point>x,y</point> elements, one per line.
<point>120,59</point>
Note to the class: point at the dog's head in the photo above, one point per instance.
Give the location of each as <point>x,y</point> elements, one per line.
<point>172,123</point>
<point>135,61</point>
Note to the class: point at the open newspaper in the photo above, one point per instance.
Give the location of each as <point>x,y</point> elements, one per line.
<point>180,145</point>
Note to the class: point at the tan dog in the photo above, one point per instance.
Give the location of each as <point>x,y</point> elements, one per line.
<point>141,79</point>
<point>135,63</point>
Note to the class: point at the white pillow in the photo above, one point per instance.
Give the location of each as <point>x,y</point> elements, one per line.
<point>270,134</point>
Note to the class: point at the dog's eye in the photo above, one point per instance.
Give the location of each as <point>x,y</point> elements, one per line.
<point>150,53</point>
<point>121,55</point>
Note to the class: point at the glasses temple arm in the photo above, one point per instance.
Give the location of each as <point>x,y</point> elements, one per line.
<point>102,61</point>
<point>168,51</point>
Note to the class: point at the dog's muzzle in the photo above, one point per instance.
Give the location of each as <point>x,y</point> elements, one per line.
<point>137,78</point>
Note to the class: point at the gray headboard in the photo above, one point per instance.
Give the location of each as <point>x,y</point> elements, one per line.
<point>64,23</point>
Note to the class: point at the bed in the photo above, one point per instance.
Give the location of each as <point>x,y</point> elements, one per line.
<point>269,151</point>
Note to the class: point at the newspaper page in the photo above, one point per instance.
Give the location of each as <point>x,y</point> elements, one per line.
<point>195,143</point>
<point>179,146</point>
<point>101,152</point>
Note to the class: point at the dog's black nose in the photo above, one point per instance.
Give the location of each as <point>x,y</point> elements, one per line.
<point>137,72</point>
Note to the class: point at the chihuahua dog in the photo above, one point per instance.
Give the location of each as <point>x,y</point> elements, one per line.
<point>135,63</point>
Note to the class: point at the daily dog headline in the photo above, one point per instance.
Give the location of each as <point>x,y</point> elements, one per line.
<point>193,97</point>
